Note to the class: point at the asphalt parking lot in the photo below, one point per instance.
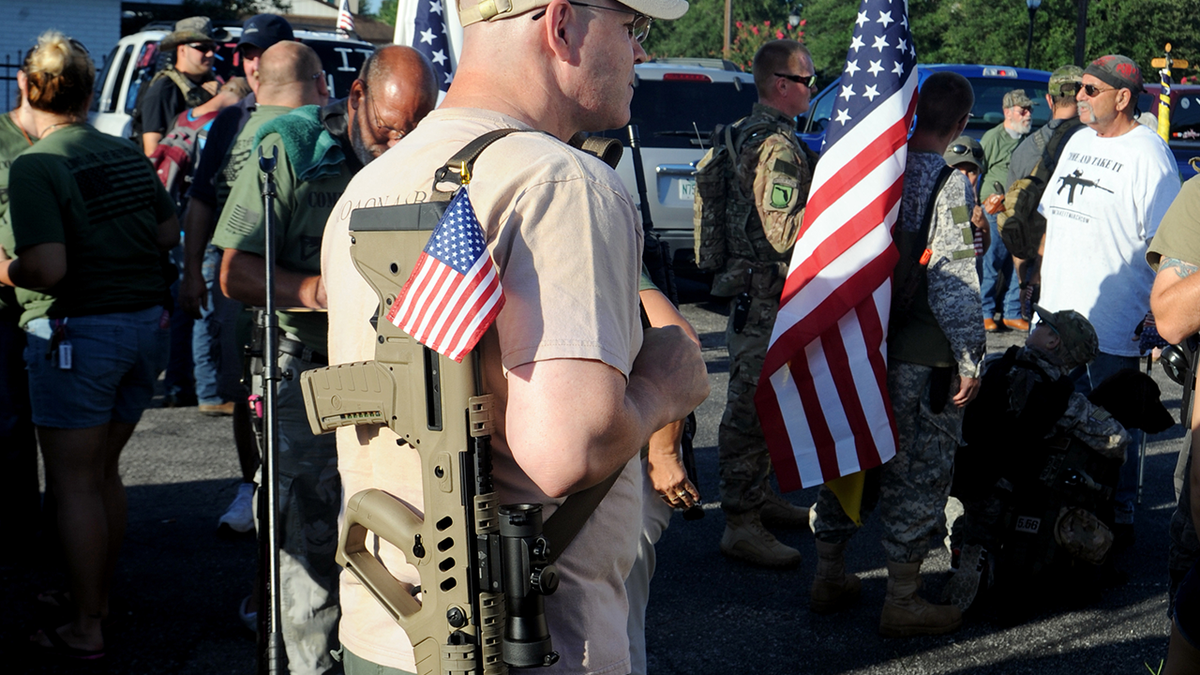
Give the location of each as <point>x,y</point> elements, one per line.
<point>178,585</point>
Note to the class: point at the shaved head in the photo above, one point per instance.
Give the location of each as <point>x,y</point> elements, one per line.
<point>395,90</point>
<point>290,74</point>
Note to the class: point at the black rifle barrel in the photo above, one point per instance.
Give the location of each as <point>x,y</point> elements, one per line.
<point>271,377</point>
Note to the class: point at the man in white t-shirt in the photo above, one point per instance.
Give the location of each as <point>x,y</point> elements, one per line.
<point>1111,187</point>
<point>579,386</point>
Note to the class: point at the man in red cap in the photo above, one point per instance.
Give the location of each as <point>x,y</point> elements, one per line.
<point>1110,188</point>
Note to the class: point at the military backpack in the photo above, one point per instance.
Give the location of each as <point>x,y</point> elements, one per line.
<point>1021,226</point>
<point>718,179</point>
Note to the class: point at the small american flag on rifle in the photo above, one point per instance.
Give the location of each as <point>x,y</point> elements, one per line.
<point>345,20</point>
<point>822,396</point>
<point>453,293</point>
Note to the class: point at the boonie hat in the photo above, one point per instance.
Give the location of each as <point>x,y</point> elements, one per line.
<point>1017,99</point>
<point>1078,338</point>
<point>470,11</point>
<point>964,150</point>
<point>264,30</point>
<point>192,29</point>
<point>1065,75</point>
<point>1118,71</point>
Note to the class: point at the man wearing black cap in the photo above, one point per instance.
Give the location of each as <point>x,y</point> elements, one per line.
<point>1111,187</point>
<point>216,350</point>
<point>185,83</point>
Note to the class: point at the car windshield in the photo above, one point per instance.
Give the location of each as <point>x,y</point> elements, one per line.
<point>683,113</point>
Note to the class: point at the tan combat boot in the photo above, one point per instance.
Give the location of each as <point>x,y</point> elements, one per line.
<point>832,588</point>
<point>779,512</point>
<point>906,614</point>
<point>746,539</point>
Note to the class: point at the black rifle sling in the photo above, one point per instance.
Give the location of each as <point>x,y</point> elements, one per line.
<point>565,523</point>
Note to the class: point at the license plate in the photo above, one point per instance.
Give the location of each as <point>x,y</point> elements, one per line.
<point>1028,525</point>
<point>687,189</point>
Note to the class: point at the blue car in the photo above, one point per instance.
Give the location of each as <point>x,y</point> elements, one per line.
<point>990,83</point>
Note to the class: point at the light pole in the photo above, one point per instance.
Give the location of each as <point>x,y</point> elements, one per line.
<point>1033,8</point>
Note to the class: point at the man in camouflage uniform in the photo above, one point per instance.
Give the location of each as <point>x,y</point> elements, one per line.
<point>935,347</point>
<point>1023,393</point>
<point>767,188</point>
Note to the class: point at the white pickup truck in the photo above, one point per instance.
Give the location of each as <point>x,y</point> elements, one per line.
<point>134,60</point>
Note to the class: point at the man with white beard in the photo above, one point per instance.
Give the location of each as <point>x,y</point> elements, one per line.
<point>1000,289</point>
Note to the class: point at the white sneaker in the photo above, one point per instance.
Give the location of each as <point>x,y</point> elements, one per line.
<point>239,517</point>
<point>249,619</point>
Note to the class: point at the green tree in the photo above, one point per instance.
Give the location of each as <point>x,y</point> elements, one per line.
<point>700,32</point>
<point>387,12</point>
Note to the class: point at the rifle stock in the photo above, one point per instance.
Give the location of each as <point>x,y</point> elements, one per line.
<point>456,618</point>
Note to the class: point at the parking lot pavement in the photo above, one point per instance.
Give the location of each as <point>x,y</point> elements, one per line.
<point>178,585</point>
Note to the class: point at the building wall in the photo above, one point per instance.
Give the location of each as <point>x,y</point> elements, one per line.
<point>95,23</point>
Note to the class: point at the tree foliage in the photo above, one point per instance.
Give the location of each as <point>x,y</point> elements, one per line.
<point>960,31</point>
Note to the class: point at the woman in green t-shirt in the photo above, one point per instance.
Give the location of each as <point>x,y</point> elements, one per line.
<point>88,222</point>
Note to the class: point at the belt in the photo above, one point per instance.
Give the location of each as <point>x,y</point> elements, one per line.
<point>293,347</point>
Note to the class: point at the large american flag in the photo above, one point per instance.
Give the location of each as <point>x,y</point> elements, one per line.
<point>822,396</point>
<point>345,20</point>
<point>453,293</point>
<point>429,38</point>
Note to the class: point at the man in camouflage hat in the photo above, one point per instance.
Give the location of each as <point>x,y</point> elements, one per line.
<point>579,387</point>
<point>188,81</point>
<point>1021,395</point>
<point>1060,97</point>
<point>966,155</point>
<point>999,289</point>
<point>767,185</point>
<point>1110,188</point>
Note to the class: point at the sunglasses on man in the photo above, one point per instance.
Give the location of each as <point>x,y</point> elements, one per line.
<point>810,81</point>
<point>203,47</point>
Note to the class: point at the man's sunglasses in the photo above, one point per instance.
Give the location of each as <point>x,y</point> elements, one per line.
<point>203,47</point>
<point>1093,91</point>
<point>810,81</point>
<point>960,149</point>
<point>638,29</point>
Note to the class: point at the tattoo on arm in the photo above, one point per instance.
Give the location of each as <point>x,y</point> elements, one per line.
<point>1182,269</point>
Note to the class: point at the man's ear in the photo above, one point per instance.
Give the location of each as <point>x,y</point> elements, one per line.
<point>1125,99</point>
<point>562,30</point>
<point>357,93</point>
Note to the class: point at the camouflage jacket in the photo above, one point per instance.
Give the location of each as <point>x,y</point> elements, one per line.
<point>772,178</point>
<point>953,284</point>
<point>1084,420</point>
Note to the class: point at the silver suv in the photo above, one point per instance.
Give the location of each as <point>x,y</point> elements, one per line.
<point>132,63</point>
<point>676,104</point>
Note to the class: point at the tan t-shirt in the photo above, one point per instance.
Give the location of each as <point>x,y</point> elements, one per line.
<point>566,239</point>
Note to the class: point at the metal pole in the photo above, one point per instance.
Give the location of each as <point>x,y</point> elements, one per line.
<point>1081,34</point>
<point>1029,42</point>
<point>1142,444</point>
<point>728,13</point>
<point>274,655</point>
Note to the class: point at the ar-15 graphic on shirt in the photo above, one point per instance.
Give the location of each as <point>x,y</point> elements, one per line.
<point>1076,179</point>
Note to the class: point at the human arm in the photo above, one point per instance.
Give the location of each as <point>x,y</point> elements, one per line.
<point>666,470</point>
<point>572,422</point>
<point>198,222</point>
<point>782,178</point>
<point>39,267</point>
<point>150,141</point>
<point>244,278</point>
<point>1175,299</point>
<point>953,284</point>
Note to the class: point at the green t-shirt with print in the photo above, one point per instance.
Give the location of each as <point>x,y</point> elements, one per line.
<point>241,150</point>
<point>13,142</point>
<point>301,210</point>
<point>99,196</point>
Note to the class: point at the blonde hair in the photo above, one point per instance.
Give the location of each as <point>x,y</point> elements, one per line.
<point>60,74</point>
